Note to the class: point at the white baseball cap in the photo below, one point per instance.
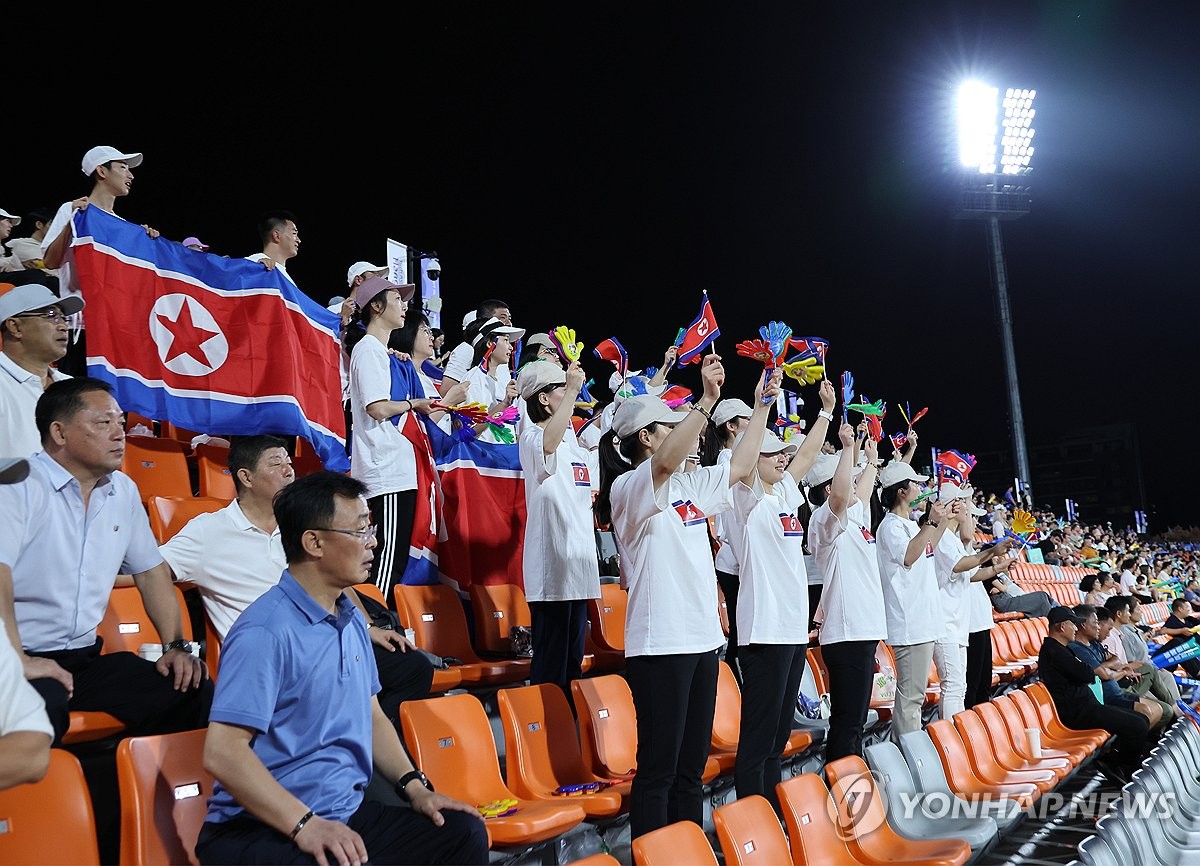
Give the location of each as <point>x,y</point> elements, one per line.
<point>537,375</point>
<point>359,268</point>
<point>730,408</point>
<point>32,296</point>
<point>12,218</point>
<point>949,491</point>
<point>495,327</point>
<point>898,471</point>
<point>469,318</point>
<point>772,444</point>
<point>822,470</point>
<point>640,411</point>
<point>102,154</point>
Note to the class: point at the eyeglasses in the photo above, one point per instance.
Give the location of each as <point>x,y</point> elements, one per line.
<point>55,316</point>
<point>363,535</point>
<point>425,329</point>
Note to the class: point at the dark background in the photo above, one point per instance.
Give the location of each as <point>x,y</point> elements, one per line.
<point>600,165</point>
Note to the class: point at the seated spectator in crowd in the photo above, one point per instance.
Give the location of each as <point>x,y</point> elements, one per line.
<point>1127,615</point>
<point>33,324</point>
<point>1178,627</point>
<point>25,732</point>
<point>1191,592</point>
<point>69,528</point>
<point>1145,684</point>
<point>111,174</point>
<point>1108,667</point>
<point>459,363</point>
<point>999,525</point>
<point>1105,587</point>
<point>1007,597</point>
<point>1069,682</point>
<point>295,729</point>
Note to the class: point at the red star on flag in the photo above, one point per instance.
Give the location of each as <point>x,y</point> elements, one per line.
<point>186,336</point>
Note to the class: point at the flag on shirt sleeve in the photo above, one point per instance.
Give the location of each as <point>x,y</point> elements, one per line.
<point>216,345</point>
<point>699,335</point>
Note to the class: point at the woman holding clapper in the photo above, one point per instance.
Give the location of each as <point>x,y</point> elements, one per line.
<point>768,541</point>
<point>659,515</point>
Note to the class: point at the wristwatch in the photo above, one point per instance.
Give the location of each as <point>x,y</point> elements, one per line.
<point>403,781</point>
<point>179,644</point>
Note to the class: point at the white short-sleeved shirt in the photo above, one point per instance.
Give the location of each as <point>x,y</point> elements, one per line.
<point>22,708</point>
<point>485,389</point>
<point>279,266</point>
<point>910,594</point>
<point>851,598</point>
<point>589,441</point>
<point>953,589</point>
<point>429,389</point>
<point>768,542</point>
<point>19,393</point>
<point>68,278</point>
<point>666,559</point>
<point>231,561</point>
<point>460,361</point>
<point>381,457</point>
<point>727,557</point>
<point>560,542</point>
<point>64,562</point>
<point>979,607</point>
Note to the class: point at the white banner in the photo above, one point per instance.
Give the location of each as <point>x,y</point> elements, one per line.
<point>397,259</point>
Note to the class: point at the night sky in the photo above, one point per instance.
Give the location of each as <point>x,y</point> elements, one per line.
<point>599,166</point>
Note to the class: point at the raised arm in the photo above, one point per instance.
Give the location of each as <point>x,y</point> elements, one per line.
<point>679,442</point>
<point>745,455</point>
<point>930,533</point>
<point>841,490</point>
<point>556,427</point>
<point>660,377</point>
<point>866,479</point>
<point>810,449</point>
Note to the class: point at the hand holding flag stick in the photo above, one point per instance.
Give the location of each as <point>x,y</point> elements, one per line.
<point>677,344</point>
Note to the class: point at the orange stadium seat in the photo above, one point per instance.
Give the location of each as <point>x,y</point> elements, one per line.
<point>496,608</point>
<point>975,732</point>
<point>212,472</point>
<point>164,797</point>
<point>50,822</point>
<point>444,679</point>
<point>157,466</point>
<point>126,625</point>
<point>813,837</point>
<point>749,833</point>
<point>607,615</point>
<point>959,763</point>
<point>169,514</point>
<point>680,844</point>
<point>451,741</point>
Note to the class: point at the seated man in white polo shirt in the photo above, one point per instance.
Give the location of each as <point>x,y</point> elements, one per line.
<point>33,323</point>
<point>68,530</point>
<point>234,555</point>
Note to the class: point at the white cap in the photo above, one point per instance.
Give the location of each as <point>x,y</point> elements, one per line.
<point>359,268</point>
<point>469,318</point>
<point>614,381</point>
<point>641,411</point>
<point>772,444</point>
<point>12,218</point>
<point>32,296</point>
<point>102,154</point>
<point>730,408</point>
<point>949,491</point>
<point>335,304</point>
<point>495,327</point>
<point>898,471</point>
<point>822,470</point>
<point>536,375</point>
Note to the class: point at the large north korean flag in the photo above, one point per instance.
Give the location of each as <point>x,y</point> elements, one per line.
<point>217,345</point>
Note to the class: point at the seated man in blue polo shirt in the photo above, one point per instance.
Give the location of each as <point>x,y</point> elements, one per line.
<point>295,727</point>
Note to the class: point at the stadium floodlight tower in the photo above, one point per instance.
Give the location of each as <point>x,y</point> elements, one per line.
<point>993,190</point>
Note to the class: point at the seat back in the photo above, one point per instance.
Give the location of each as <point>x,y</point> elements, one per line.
<point>607,725</point>
<point>212,648</point>
<point>727,719</point>
<point>169,514</point>
<point>497,608</point>
<point>608,617</point>
<point>924,763</point>
<point>861,816</point>
<point>451,741</point>
<point>126,625</point>
<point>884,660</point>
<point>892,774</point>
<point>1098,851</point>
<point>820,673</point>
<point>813,837</point>
<point>50,821</point>
<point>213,477</point>
<point>435,614</point>
<point>371,591</point>
<point>680,844</point>
<point>157,466</point>
<point>164,797</point>
<point>750,834</point>
<point>541,751</point>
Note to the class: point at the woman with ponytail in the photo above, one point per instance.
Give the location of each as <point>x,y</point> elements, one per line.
<point>659,517</point>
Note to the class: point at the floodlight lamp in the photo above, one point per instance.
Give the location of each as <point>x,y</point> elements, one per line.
<point>977,109</point>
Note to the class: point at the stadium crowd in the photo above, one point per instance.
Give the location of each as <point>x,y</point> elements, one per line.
<point>809,539</point>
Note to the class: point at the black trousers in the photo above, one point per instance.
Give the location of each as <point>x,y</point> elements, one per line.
<point>391,835</point>
<point>1131,728</point>
<point>851,666</point>
<point>559,632</point>
<point>770,682</point>
<point>729,588</point>
<point>979,668</point>
<point>403,676</point>
<point>675,697</point>
<point>125,686</point>
<point>392,514</point>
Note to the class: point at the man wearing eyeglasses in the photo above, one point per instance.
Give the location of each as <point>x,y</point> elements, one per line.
<point>33,323</point>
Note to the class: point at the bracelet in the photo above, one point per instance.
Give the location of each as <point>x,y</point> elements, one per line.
<point>300,824</point>
<point>828,416</point>
<point>706,413</point>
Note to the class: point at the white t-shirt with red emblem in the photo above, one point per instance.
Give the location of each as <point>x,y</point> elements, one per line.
<point>851,605</point>
<point>666,559</point>
<point>910,593</point>
<point>768,543</point>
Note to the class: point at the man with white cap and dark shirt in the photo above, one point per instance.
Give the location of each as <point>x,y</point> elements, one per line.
<point>111,172</point>
<point>1069,682</point>
<point>33,323</point>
